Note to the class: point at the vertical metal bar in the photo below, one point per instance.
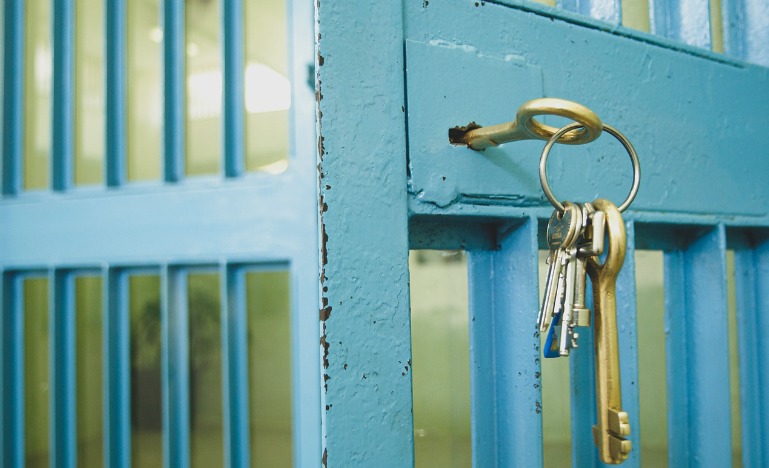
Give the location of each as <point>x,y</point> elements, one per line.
<point>746,30</point>
<point>115,92</point>
<point>175,356</point>
<point>235,367</point>
<point>13,95</point>
<point>370,300</point>
<point>627,324</point>
<point>62,349</point>
<point>696,324</point>
<point>584,452</point>
<point>174,90</point>
<point>480,270</point>
<point>63,81</point>
<point>733,18</point>
<point>516,347</point>
<point>233,90</point>
<point>117,369</point>
<point>582,369</point>
<point>12,455</point>
<point>687,21</point>
<point>604,10</point>
<point>305,288</point>
<point>752,278</point>
<point>507,413</point>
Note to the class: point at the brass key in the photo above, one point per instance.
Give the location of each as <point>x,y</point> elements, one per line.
<point>613,425</point>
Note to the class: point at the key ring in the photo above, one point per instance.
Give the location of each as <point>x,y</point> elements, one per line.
<point>616,134</point>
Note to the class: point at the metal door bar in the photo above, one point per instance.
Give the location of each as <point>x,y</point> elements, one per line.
<point>504,355</point>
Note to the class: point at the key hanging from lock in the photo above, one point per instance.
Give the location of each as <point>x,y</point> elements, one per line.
<point>574,249</point>
<point>613,424</point>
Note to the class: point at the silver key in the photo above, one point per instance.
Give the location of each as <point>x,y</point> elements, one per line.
<point>561,229</point>
<point>567,327</point>
<point>588,245</point>
<point>594,231</point>
<point>581,317</point>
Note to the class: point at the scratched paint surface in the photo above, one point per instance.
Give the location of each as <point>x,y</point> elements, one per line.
<point>365,340</point>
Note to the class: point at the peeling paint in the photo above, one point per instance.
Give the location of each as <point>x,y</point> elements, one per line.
<point>325,346</point>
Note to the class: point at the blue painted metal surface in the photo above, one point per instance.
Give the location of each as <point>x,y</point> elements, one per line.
<point>699,412</point>
<point>687,21</point>
<point>660,94</point>
<point>746,31</point>
<point>13,372</point>
<point>609,11</point>
<point>62,358</point>
<point>13,95</point>
<point>115,93</point>
<point>233,110</point>
<point>752,277</point>
<point>117,370</point>
<point>627,327</point>
<point>364,264</point>
<point>174,89</point>
<point>62,125</point>
<point>175,362</point>
<point>235,366</point>
<point>505,357</point>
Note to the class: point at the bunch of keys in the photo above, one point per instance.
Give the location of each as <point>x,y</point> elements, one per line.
<point>576,239</point>
<point>573,236</point>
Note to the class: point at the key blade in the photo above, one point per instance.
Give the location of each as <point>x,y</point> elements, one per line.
<point>568,303</point>
<point>546,310</point>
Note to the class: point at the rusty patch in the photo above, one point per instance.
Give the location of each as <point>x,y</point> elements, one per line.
<point>325,345</point>
<point>321,60</point>
<point>325,312</point>
<point>457,134</point>
<point>321,150</point>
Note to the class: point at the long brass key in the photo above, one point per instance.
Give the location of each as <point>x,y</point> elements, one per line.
<point>613,425</point>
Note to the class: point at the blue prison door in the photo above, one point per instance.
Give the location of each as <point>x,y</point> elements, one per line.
<point>159,259</point>
<point>686,81</point>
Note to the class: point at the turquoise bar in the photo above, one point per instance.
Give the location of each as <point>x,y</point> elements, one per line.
<point>505,355</point>
<point>752,277</point>
<point>584,412</point>
<point>63,376</point>
<point>175,365</point>
<point>117,370</point>
<point>12,403</point>
<point>602,10</point>
<point>174,90</point>
<point>115,94</point>
<point>699,411</point>
<point>627,329</point>
<point>63,90</point>
<point>687,21</point>
<point>13,95</point>
<point>233,112</point>
<point>235,366</point>
<point>480,269</point>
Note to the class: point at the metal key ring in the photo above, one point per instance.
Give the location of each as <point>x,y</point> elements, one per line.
<point>616,134</point>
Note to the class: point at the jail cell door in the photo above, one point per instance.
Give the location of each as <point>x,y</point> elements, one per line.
<point>687,83</point>
<point>158,246</point>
